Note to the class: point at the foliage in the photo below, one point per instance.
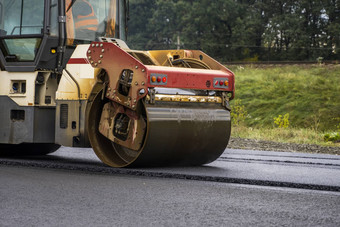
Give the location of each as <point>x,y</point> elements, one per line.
<point>282,122</point>
<point>334,137</point>
<point>231,30</point>
<point>238,112</point>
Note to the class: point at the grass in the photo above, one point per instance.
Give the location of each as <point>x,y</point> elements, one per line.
<point>283,135</point>
<point>309,94</point>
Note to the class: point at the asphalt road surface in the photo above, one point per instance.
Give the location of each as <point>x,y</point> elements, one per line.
<point>71,187</point>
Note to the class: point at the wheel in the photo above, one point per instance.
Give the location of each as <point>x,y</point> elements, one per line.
<point>28,149</point>
<point>107,151</point>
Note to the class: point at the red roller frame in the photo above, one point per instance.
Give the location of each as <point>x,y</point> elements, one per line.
<point>177,77</point>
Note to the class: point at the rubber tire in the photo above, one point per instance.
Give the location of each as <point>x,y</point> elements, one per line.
<point>30,149</point>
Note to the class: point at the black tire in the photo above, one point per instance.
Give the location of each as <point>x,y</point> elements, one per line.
<point>28,149</point>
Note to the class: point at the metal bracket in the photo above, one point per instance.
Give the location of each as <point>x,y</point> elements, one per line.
<point>104,90</point>
<point>117,62</point>
<point>152,94</point>
<point>225,101</point>
<point>61,49</point>
<point>62,19</point>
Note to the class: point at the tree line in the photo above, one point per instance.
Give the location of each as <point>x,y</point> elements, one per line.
<point>239,30</point>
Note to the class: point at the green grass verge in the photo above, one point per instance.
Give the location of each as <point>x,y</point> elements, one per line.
<point>310,94</point>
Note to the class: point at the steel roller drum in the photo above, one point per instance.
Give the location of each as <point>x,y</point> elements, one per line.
<point>185,134</point>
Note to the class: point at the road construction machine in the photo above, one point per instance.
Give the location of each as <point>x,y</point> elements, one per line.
<point>68,78</point>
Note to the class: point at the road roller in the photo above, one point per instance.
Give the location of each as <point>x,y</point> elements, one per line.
<point>69,78</point>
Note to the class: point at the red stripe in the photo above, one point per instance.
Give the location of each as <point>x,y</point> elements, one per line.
<point>78,61</point>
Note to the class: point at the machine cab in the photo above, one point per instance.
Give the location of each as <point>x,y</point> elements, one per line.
<point>42,34</point>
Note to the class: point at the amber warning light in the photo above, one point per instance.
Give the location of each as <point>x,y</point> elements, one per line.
<point>158,79</point>
<point>221,83</point>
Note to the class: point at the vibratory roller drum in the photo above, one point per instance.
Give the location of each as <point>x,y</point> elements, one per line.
<point>148,113</point>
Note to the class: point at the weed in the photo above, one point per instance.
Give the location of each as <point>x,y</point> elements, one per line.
<point>334,137</point>
<point>316,118</point>
<point>282,122</point>
<point>238,112</point>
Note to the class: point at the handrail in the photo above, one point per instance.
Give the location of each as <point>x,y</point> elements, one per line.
<point>27,26</point>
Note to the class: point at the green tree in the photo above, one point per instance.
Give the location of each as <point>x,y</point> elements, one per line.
<point>332,28</point>
<point>232,30</point>
<point>140,12</point>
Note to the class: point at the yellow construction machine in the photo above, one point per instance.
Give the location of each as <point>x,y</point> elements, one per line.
<point>68,78</point>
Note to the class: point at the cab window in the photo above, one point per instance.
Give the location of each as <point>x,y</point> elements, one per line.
<point>22,17</point>
<point>21,29</point>
<point>89,19</point>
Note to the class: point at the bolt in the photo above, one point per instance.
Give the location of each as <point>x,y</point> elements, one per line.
<point>135,100</point>
<point>136,66</point>
<point>89,51</point>
<point>92,62</point>
<point>101,56</point>
<point>136,83</point>
<point>97,45</point>
<point>95,64</point>
<point>133,106</point>
<point>143,70</point>
<point>114,91</point>
<point>143,83</point>
<point>100,61</point>
<point>103,50</point>
<point>101,45</point>
<point>109,89</point>
<point>113,96</point>
<point>90,57</point>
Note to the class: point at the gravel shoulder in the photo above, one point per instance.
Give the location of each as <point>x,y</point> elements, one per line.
<point>252,144</point>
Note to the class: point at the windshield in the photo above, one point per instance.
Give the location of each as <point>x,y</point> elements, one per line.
<point>21,29</point>
<point>22,17</point>
<point>22,24</point>
<point>89,19</point>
